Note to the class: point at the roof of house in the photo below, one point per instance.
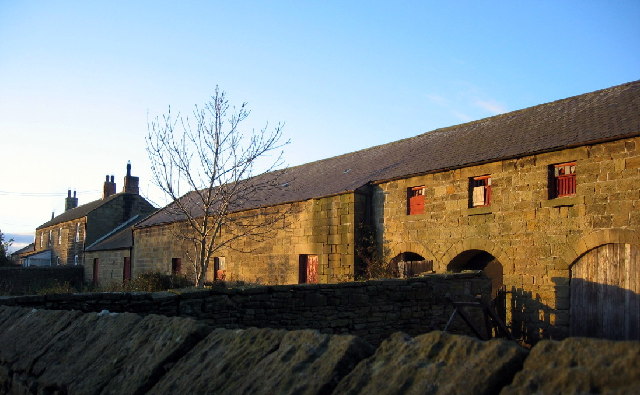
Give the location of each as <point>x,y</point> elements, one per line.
<point>26,249</point>
<point>119,238</point>
<point>81,211</point>
<point>598,116</point>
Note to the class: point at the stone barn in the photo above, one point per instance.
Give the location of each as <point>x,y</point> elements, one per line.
<point>544,200</point>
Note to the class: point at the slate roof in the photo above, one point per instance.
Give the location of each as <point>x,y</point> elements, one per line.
<point>78,212</point>
<point>119,238</point>
<point>29,248</point>
<point>603,115</point>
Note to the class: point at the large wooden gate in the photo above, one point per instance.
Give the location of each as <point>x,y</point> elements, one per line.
<point>605,293</point>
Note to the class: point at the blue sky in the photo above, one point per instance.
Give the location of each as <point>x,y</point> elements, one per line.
<point>78,79</point>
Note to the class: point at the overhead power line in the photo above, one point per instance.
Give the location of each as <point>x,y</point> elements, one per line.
<point>42,194</point>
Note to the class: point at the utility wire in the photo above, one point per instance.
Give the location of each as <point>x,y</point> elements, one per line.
<point>42,194</point>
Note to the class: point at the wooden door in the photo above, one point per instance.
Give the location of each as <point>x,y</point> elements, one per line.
<point>308,269</point>
<point>96,268</point>
<point>126,270</point>
<point>605,293</point>
<point>312,269</point>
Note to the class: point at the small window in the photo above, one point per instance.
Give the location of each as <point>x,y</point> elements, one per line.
<point>480,191</point>
<point>75,260</point>
<point>77,232</point>
<point>415,200</point>
<point>220,268</point>
<point>563,181</point>
<point>41,240</point>
<point>176,266</point>
<point>50,238</point>
<point>59,236</point>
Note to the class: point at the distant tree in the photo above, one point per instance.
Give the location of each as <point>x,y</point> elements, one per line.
<point>5,259</point>
<point>213,159</point>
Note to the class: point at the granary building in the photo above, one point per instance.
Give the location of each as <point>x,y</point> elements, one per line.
<point>63,239</point>
<point>544,200</point>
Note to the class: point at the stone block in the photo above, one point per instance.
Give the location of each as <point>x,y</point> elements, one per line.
<point>579,366</point>
<point>435,363</point>
<point>26,334</point>
<point>265,361</point>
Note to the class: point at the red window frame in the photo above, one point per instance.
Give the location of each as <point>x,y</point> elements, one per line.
<point>415,200</point>
<point>564,175</point>
<point>480,181</point>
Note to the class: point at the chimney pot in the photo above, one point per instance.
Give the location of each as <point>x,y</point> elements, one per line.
<point>69,193</point>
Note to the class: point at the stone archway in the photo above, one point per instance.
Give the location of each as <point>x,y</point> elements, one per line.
<point>605,292</point>
<point>479,260</point>
<point>409,264</point>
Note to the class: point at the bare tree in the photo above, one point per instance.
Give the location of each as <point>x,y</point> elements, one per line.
<point>211,158</point>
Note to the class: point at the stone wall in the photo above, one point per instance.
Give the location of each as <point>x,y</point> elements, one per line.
<point>43,351</point>
<point>323,227</point>
<point>372,309</point>
<point>113,213</point>
<point>20,281</point>
<point>110,266</point>
<point>536,239</point>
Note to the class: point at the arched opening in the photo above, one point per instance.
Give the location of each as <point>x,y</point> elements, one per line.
<point>605,293</point>
<point>409,264</point>
<point>479,260</point>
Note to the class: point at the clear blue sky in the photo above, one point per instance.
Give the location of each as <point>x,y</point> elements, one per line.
<point>78,78</point>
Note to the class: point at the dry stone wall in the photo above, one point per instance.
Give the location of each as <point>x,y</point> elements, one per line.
<point>371,310</point>
<point>69,352</point>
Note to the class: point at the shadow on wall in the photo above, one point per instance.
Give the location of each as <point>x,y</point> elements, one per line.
<point>586,309</point>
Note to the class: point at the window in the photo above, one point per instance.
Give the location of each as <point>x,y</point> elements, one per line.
<point>59,236</point>
<point>176,266</point>
<point>75,260</point>
<point>77,232</point>
<point>480,191</point>
<point>563,181</point>
<point>41,240</point>
<point>50,237</point>
<point>415,200</point>
<point>219,268</point>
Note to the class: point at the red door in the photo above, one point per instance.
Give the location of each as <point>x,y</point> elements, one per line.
<point>96,265</point>
<point>308,269</point>
<point>126,270</point>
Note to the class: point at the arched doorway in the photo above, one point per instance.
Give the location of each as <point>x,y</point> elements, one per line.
<point>409,264</point>
<point>479,260</point>
<point>605,293</point>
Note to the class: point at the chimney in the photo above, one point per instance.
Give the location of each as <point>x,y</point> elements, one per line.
<point>131,184</point>
<point>70,202</point>
<point>53,215</point>
<point>109,187</point>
